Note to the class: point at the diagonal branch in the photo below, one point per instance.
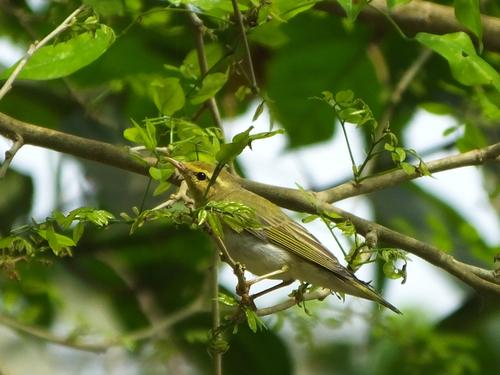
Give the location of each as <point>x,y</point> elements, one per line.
<point>476,277</point>
<point>293,199</point>
<point>72,145</point>
<point>396,177</point>
<point>318,294</point>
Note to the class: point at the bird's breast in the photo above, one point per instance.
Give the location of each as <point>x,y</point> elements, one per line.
<point>258,256</point>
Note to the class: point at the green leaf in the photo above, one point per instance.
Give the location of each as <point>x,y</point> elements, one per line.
<point>254,321</point>
<point>388,147</point>
<point>190,67</point>
<point>437,108</point>
<point>309,57</point>
<point>78,232</point>
<point>161,174</point>
<point>310,218</point>
<point>352,7</point>
<point>468,14</point>
<point>55,240</point>
<point>62,59</point>
<point>212,83</point>
<point>161,188</point>
<point>343,97</point>
<point>133,135</point>
<point>258,110</point>
<point>106,7</point>
<point>227,300</point>
<point>473,138</point>
<point>489,104</point>
<point>401,153</point>
<point>407,168</point>
<point>466,66</point>
<point>144,136</point>
<point>242,92</point>
<point>241,140</point>
<point>7,242</point>
<point>215,224</point>
<point>202,217</point>
<point>168,95</point>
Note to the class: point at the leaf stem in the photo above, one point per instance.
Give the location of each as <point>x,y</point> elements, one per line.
<point>354,168</point>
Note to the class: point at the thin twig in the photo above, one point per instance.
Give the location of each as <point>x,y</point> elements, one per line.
<point>317,294</point>
<point>35,46</point>
<point>398,176</point>
<point>197,305</point>
<point>248,56</point>
<point>395,98</point>
<point>9,154</point>
<point>49,337</point>
<point>217,356</point>
<point>165,323</point>
<point>202,61</point>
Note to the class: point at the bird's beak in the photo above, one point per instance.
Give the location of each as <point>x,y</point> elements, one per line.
<point>177,164</point>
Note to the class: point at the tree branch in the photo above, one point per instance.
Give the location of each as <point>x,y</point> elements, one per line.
<point>289,198</point>
<point>72,145</point>
<point>317,294</point>
<point>396,177</point>
<point>476,277</point>
<point>424,16</point>
<point>47,336</point>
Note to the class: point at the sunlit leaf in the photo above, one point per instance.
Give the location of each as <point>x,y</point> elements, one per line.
<point>62,59</point>
<point>168,95</point>
<point>466,66</point>
<point>352,7</point>
<point>468,14</point>
<point>211,84</point>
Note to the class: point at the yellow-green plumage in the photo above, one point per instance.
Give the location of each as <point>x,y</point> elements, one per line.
<point>280,241</point>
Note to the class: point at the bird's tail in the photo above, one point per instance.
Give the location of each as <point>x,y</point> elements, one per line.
<point>365,291</point>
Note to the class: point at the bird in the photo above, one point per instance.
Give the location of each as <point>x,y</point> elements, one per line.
<point>279,246</point>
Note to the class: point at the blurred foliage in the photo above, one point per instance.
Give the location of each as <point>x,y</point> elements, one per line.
<point>136,59</point>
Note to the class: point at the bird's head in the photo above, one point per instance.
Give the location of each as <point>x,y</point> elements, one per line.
<point>198,176</point>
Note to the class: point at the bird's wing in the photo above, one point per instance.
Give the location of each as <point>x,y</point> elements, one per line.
<point>299,241</point>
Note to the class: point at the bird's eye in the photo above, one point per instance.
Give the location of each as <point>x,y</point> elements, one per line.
<point>201,176</point>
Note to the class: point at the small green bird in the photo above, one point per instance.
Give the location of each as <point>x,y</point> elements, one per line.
<point>279,244</point>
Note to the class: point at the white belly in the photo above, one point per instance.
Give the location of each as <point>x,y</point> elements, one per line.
<point>258,257</point>
<point>261,258</point>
